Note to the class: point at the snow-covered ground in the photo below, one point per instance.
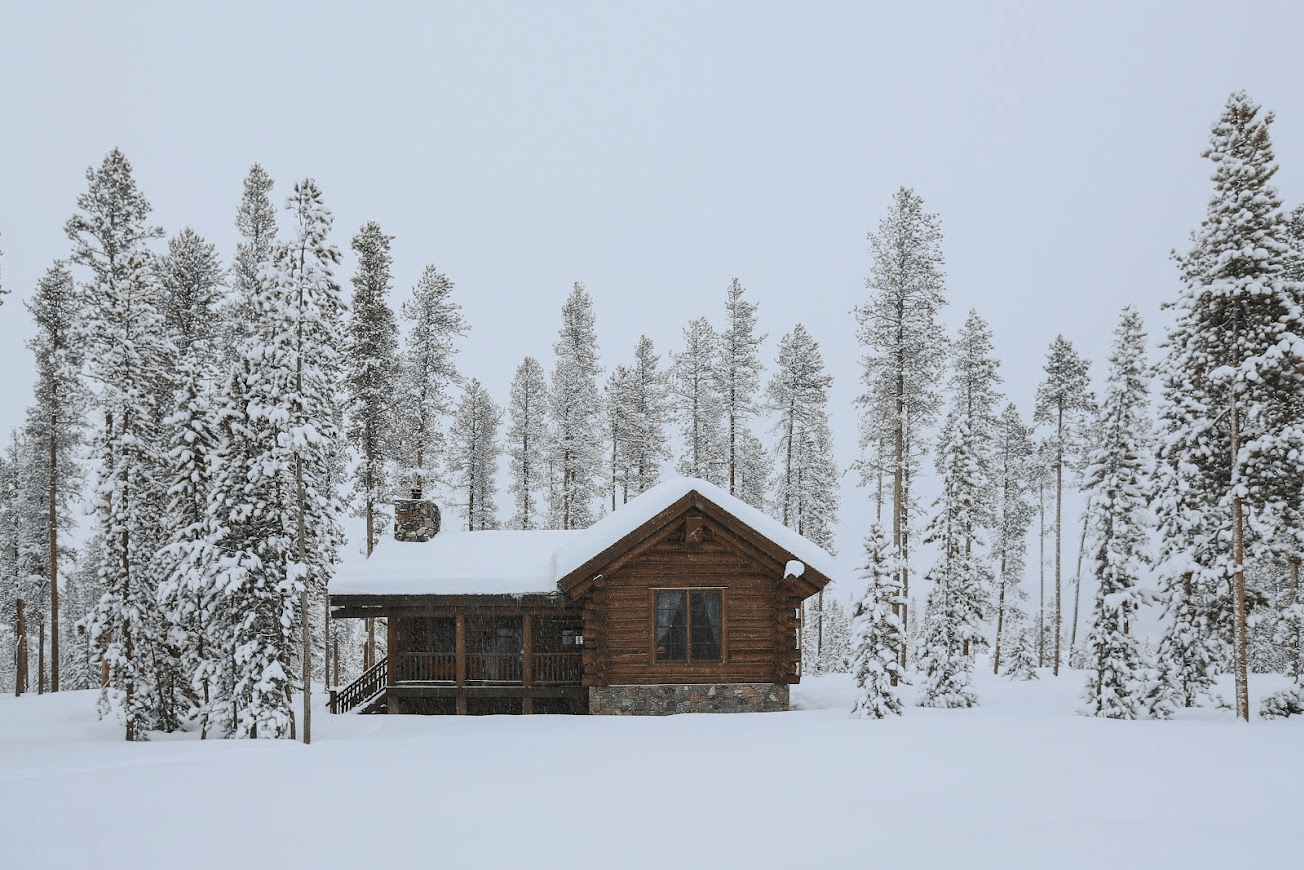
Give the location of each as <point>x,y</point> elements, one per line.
<point>1019,782</point>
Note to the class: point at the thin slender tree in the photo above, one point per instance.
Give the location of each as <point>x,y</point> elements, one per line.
<point>575,410</point>
<point>738,372</point>
<point>904,343</point>
<point>473,456</point>
<point>1064,402</point>
<point>56,422</point>
<point>371,363</point>
<point>527,443</point>
<point>1118,479</point>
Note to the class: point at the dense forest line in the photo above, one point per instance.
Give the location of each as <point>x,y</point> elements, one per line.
<point>220,420</point>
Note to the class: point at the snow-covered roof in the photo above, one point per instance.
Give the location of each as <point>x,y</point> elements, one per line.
<point>615,526</point>
<point>454,563</point>
<point>514,563</point>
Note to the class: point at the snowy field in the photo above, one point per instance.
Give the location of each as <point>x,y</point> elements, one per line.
<point>1018,782</point>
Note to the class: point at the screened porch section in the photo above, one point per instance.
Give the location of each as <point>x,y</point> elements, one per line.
<point>487,650</point>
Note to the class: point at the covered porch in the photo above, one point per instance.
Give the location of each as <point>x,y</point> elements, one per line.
<point>481,654</point>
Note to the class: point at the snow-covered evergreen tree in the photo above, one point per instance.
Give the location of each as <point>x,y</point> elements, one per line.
<point>123,326</point>
<point>1065,403</point>
<point>278,517</point>
<point>806,474</point>
<point>428,367</point>
<point>904,353</point>
<point>754,466</point>
<point>960,581</point>
<point>473,457</point>
<point>975,376</point>
<point>255,218</point>
<point>371,364</point>
<point>877,632</point>
<point>1012,454</point>
<point>644,406</point>
<point>190,277</point>
<point>696,403</point>
<point>1237,351</point>
<point>527,444</point>
<point>575,410</point>
<point>738,374</point>
<point>1021,664</point>
<point>55,425</point>
<point>1118,479</point>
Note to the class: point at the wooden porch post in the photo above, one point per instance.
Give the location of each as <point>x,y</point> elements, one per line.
<point>391,651</point>
<point>527,662</point>
<point>461,663</point>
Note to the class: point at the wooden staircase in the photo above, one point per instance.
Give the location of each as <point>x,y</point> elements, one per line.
<point>367,691</point>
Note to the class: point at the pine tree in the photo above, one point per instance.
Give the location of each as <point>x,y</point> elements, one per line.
<point>754,468</point>
<point>473,457</point>
<point>56,423</point>
<point>644,406</point>
<point>738,373</point>
<point>527,443</point>
<point>575,409</point>
<point>1064,401</point>
<point>122,326</point>
<point>805,482</point>
<point>1118,479</point>
<point>904,345</point>
<point>697,405</point>
<point>255,218</point>
<point>1012,455</point>
<point>427,369</point>
<point>279,530</point>
<point>371,361</point>
<point>1237,350</point>
<point>1022,662</point>
<point>974,378</point>
<point>959,579</point>
<point>190,277</point>
<point>878,632</point>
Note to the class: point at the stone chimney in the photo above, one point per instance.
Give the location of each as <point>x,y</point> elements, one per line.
<point>415,518</point>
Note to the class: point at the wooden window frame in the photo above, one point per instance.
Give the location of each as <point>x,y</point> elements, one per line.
<point>688,660</point>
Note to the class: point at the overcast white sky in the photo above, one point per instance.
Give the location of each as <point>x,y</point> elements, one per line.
<point>655,151</point>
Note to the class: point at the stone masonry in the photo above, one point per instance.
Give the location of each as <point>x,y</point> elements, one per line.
<point>661,700</point>
<point>415,519</point>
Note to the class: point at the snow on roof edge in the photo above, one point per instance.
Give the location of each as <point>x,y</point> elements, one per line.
<point>631,516</point>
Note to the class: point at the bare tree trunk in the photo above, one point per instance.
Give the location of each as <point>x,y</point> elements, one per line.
<point>1059,520</point>
<point>1295,634</point>
<point>1000,621</point>
<point>54,562</point>
<point>1077,583</point>
<point>1041,573</point>
<point>1240,651</point>
<point>40,658</point>
<point>20,654</point>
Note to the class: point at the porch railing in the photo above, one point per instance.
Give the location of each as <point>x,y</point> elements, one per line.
<point>557,668</point>
<point>365,687</point>
<point>440,667</point>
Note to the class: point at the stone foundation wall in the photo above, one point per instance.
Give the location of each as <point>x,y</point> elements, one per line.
<point>661,700</point>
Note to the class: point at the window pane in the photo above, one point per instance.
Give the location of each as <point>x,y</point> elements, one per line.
<point>706,626</point>
<point>672,626</point>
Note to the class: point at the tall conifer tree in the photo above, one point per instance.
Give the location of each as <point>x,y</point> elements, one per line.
<point>1064,402</point>
<point>527,443</point>
<point>904,344</point>
<point>738,373</point>
<point>123,325</point>
<point>371,363</point>
<point>576,407</point>
<point>1237,351</point>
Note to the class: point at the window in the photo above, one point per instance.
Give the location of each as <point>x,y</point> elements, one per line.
<point>688,625</point>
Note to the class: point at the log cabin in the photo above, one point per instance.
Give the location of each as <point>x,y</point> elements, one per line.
<point>684,599</point>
